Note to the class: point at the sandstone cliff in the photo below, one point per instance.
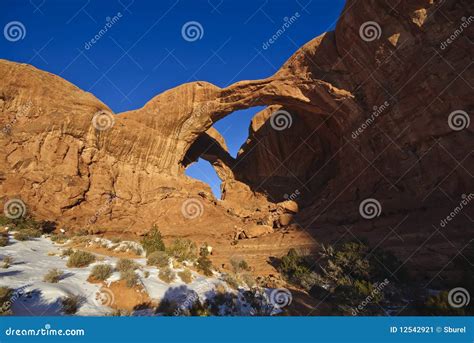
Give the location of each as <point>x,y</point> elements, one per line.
<point>69,159</point>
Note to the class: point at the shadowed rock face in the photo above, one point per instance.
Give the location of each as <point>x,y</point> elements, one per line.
<point>407,157</point>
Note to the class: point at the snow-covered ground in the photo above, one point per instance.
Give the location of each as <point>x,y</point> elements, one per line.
<point>32,259</point>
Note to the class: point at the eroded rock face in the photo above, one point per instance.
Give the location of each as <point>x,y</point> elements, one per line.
<point>326,157</point>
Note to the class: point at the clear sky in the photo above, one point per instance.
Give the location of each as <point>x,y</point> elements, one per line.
<point>145,50</point>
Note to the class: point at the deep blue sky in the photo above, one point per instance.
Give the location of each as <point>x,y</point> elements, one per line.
<point>144,53</point>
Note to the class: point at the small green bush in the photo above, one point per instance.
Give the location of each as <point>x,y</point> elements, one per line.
<point>153,241</point>
<point>295,268</point>
<point>130,277</point>
<point>182,250</point>
<point>204,265</point>
<point>124,264</point>
<point>239,265</point>
<point>231,281</point>
<point>186,276</point>
<point>438,305</point>
<point>166,275</point>
<point>158,259</point>
<point>79,259</point>
<point>101,272</point>
<point>67,252</point>
<point>70,304</point>
<point>27,234</point>
<point>53,276</point>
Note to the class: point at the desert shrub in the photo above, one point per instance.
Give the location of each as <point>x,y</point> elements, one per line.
<point>186,275</point>
<point>53,276</point>
<point>182,250</point>
<point>158,259</point>
<point>231,281</point>
<point>124,264</point>
<point>204,250</point>
<point>5,298</point>
<point>204,265</point>
<point>6,262</point>
<point>166,275</point>
<point>4,221</point>
<point>153,241</point>
<point>130,277</point>
<point>4,240</point>
<point>80,259</point>
<point>101,272</point>
<point>70,304</point>
<point>249,280</point>
<point>146,274</point>
<point>67,252</point>
<point>27,234</point>
<point>239,265</point>
<point>438,305</point>
<point>26,223</point>
<point>296,269</point>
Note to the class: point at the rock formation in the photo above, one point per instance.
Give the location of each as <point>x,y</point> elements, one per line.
<point>311,158</point>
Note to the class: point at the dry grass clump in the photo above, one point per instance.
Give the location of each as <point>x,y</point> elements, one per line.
<point>53,276</point>
<point>79,259</point>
